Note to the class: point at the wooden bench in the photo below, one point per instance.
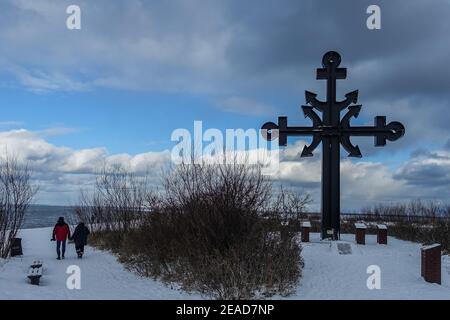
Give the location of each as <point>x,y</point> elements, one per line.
<point>35,272</point>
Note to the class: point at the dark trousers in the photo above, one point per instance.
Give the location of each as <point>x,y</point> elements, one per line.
<point>61,245</point>
<point>79,248</point>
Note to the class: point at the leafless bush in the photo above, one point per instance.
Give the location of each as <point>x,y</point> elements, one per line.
<point>118,201</point>
<point>413,210</point>
<point>291,206</point>
<point>16,193</point>
<point>381,211</point>
<point>419,221</point>
<point>208,234</point>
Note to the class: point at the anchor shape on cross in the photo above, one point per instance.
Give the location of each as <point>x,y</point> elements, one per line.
<point>332,131</point>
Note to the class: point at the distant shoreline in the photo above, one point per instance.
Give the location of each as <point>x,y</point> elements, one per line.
<point>42,216</point>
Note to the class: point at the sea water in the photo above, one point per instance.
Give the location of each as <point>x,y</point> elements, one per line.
<point>40,216</point>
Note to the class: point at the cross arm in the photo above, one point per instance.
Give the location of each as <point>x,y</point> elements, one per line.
<point>380,131</point>
<point>271,131</point>
<point>351,97</point>
<point>311,98</point>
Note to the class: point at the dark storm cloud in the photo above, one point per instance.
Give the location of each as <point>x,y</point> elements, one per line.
<point>260,44</point>
<point>401,70</point>
<point>447,145</point>
<point>407,55</point>
<point>432,175</point>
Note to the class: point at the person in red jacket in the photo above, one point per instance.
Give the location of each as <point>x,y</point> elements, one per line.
<point>61,232</point>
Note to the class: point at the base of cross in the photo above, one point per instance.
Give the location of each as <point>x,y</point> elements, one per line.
<point>330,221</point>
<point>331,234</point>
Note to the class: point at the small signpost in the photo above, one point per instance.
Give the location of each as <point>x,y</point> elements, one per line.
<point>333,132</point>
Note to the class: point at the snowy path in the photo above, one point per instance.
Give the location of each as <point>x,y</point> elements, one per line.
<point>102,277</point>
<point>327,274</point>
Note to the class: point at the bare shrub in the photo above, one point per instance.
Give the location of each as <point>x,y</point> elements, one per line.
<point>290,206</point>
<point>16,193</point>
<point>207,233</point>
<point>118,202</point>
<point>413,210</point>
<point>419,221</point>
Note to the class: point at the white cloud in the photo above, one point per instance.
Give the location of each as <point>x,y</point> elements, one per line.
<point>62,172</point>
<point>42,82</point>
<point>365,182</point>
<point>33,148</point>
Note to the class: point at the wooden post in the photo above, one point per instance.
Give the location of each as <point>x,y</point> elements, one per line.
<point>431,263</point>
<point>381,234</point>
<point>305,228</point>
<point>360,234</point>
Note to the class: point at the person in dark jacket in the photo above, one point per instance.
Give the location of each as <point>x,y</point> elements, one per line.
<point>61,232</point>
<point>80,236</point>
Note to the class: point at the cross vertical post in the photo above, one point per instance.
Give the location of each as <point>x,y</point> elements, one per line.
<point>330,206</point>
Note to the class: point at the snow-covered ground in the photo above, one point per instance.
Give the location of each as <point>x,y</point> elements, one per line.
<point>330,275</point>
<point>102,277</point>
<point>327,274</point>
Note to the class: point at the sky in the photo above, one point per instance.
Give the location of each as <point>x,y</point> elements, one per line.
<point>114,91</point>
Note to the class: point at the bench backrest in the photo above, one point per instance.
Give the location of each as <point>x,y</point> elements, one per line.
<point>35,272</point>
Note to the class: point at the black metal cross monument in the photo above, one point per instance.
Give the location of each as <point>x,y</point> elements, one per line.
<point>333,131</point>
